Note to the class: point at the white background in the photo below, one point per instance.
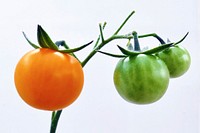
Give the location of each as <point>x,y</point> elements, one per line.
<point>100,109</point>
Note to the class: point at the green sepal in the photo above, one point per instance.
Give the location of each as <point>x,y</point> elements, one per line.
<point>128,52</point>
<point>75,49</point>
<point>32,44</point>
<point>158,49</point>
<point>112,55</point>
<point>44,40</point>
<point>181,39</point>
<point>151,51</point>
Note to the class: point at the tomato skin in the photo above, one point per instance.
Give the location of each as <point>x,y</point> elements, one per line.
<point>177,60</point>
<point>141,79</point>
<point>47,79</point>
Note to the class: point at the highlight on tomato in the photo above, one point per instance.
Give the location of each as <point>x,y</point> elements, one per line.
<point>47,79</point>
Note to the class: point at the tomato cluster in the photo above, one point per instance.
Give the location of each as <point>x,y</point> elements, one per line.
<point>143,77</point>
<point>51,79</point>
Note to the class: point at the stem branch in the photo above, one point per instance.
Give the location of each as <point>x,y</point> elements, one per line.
<point>117,31</point>
<point>101,33</point>
<point>56,115</point>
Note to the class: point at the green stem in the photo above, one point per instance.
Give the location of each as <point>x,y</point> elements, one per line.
<point>136,42</point>
<point>104,42</point>
<point>154,35</point>
<point>98,47</point>
<point>101,33</point>
<point>54,121</point>
<point>53,115</point>
<point>97,41</point>
<point>124,22</point>
<point>56,116</point>
<point>94,51</point>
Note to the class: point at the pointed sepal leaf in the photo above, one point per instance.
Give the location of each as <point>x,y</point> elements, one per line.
<point>75,49</point>
<point>182,39</point>
<point>32,44</point>
<point>127,52</point>
<point>157,49</point>
<point>44,40</point>
<point>151,51</point>
<point>112,55</point>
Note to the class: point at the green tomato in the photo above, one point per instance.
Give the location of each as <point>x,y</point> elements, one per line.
<point>177,60</point>
<point>141,79</point>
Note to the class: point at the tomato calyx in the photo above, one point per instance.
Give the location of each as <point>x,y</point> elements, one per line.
<point>137,50</point>
<point>151,51</point>
<point>130,51</point>
<point>45,41</point>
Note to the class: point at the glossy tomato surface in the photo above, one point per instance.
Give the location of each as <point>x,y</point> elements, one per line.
<point>141,79</point>
<point>48,80</point>
<point>177,60</point>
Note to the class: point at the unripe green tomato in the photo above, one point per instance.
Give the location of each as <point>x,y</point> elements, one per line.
<point>141,79</point>
<point>177,60</point>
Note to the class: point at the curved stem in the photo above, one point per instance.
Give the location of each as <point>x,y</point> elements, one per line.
<point>94,51</point>
<point>104,42</point>
<point>98,47</point>
<point>154,35</point>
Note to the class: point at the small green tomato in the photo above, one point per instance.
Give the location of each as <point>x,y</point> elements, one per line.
<point>177,60</point>
<point>141,79</point>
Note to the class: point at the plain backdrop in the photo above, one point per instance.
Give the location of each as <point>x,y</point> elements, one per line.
<point>100,109</point>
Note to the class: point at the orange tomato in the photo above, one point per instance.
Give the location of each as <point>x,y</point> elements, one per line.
<point>47,79</point>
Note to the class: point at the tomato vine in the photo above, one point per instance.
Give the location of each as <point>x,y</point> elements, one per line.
<point>45,42</point>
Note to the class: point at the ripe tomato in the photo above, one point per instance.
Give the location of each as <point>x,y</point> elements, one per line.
<point>177,60</point>
<point>47,79</point>
<point>141,79</point>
